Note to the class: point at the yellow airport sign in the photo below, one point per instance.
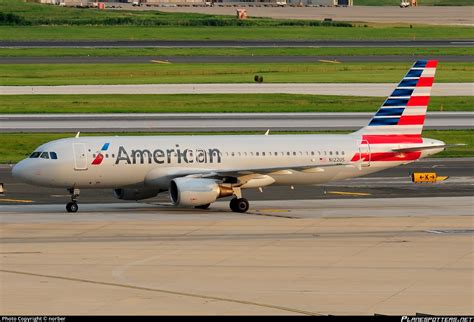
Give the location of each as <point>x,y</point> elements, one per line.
<point>426,177</point>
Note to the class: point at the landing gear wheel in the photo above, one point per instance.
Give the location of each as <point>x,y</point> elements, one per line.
<point>72,207</point>
<point>239,205</point>
<point>203,206</point>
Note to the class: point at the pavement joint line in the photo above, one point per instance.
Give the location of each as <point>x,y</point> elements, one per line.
<point>64,278</point>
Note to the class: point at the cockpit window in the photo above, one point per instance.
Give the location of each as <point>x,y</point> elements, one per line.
<point>44,155</point>
<point>35,155</point>
<point>53,155</point>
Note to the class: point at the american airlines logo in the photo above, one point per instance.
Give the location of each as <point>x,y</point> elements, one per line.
<point>176,155</point>
<point>98,159</point>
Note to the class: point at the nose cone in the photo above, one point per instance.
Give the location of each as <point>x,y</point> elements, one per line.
<point>23,171</point>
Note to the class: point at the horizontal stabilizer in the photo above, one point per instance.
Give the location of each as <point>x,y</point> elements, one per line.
<point>420,148</point>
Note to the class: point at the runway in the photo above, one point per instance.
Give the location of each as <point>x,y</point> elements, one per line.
<point>232,43</point>
<point>227,59</point>
<point>350,89</point>
<point>209,122</point>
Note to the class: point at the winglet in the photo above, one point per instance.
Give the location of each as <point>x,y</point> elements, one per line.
<point>268,132</point>
<point>77,135</point>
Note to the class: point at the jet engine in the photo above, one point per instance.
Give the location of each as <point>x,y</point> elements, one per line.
<point>197,191</point>
<point>135,194</point>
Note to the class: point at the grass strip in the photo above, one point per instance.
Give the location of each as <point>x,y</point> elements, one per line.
<point>376,32</point>
<point>278,51</point>
<point>210,103</point>
<point>155,73</point>
<point>16,146</point>
<point>23,13</point>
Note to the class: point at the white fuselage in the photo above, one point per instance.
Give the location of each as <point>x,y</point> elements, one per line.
<point>151,161</point>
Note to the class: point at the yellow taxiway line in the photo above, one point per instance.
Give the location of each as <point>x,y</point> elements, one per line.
<point>160,61</point>
<point>329,61</point>
<point>349,193</point>
<point>16,200</point>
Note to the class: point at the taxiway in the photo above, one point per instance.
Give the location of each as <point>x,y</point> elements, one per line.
<point>208,122</point>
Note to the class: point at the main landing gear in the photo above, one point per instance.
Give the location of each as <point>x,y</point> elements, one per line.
<point>239,204</point>
<point>72,206</point>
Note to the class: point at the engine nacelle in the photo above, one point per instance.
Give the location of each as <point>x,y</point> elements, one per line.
<point>196,191</point>
<point>135,194</point>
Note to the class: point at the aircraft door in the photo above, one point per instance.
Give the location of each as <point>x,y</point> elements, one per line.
<point>364,153</point>
<point>80,156</point>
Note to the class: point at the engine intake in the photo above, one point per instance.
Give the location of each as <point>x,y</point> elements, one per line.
<point>196,191</point>
<point>135,194</point>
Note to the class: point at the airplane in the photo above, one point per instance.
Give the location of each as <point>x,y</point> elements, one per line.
<point>198,170</point>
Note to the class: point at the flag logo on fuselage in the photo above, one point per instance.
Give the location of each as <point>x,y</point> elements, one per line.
<point>98,159</point>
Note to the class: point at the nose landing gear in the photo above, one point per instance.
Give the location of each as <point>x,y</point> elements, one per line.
<point>72,206</point>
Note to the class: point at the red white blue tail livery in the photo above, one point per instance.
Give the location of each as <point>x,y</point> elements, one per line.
<point>404,111</point>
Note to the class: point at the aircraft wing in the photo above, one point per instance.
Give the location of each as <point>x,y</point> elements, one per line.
<point>162,176</point>
<point>310,168</point>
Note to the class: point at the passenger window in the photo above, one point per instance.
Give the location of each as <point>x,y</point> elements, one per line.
<point>287,153</point>
<point>257,153</point>
<point>263,153</point>
<point>294,153</point>
<point>35,155</point>
<point>337,152</point>
<point>53,155</point>
<point>330,152</point>
<point>44,155</point>
<point>312,152</point>
<point>342,153</point>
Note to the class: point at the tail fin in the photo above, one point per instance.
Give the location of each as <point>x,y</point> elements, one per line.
<point>403,112</point>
